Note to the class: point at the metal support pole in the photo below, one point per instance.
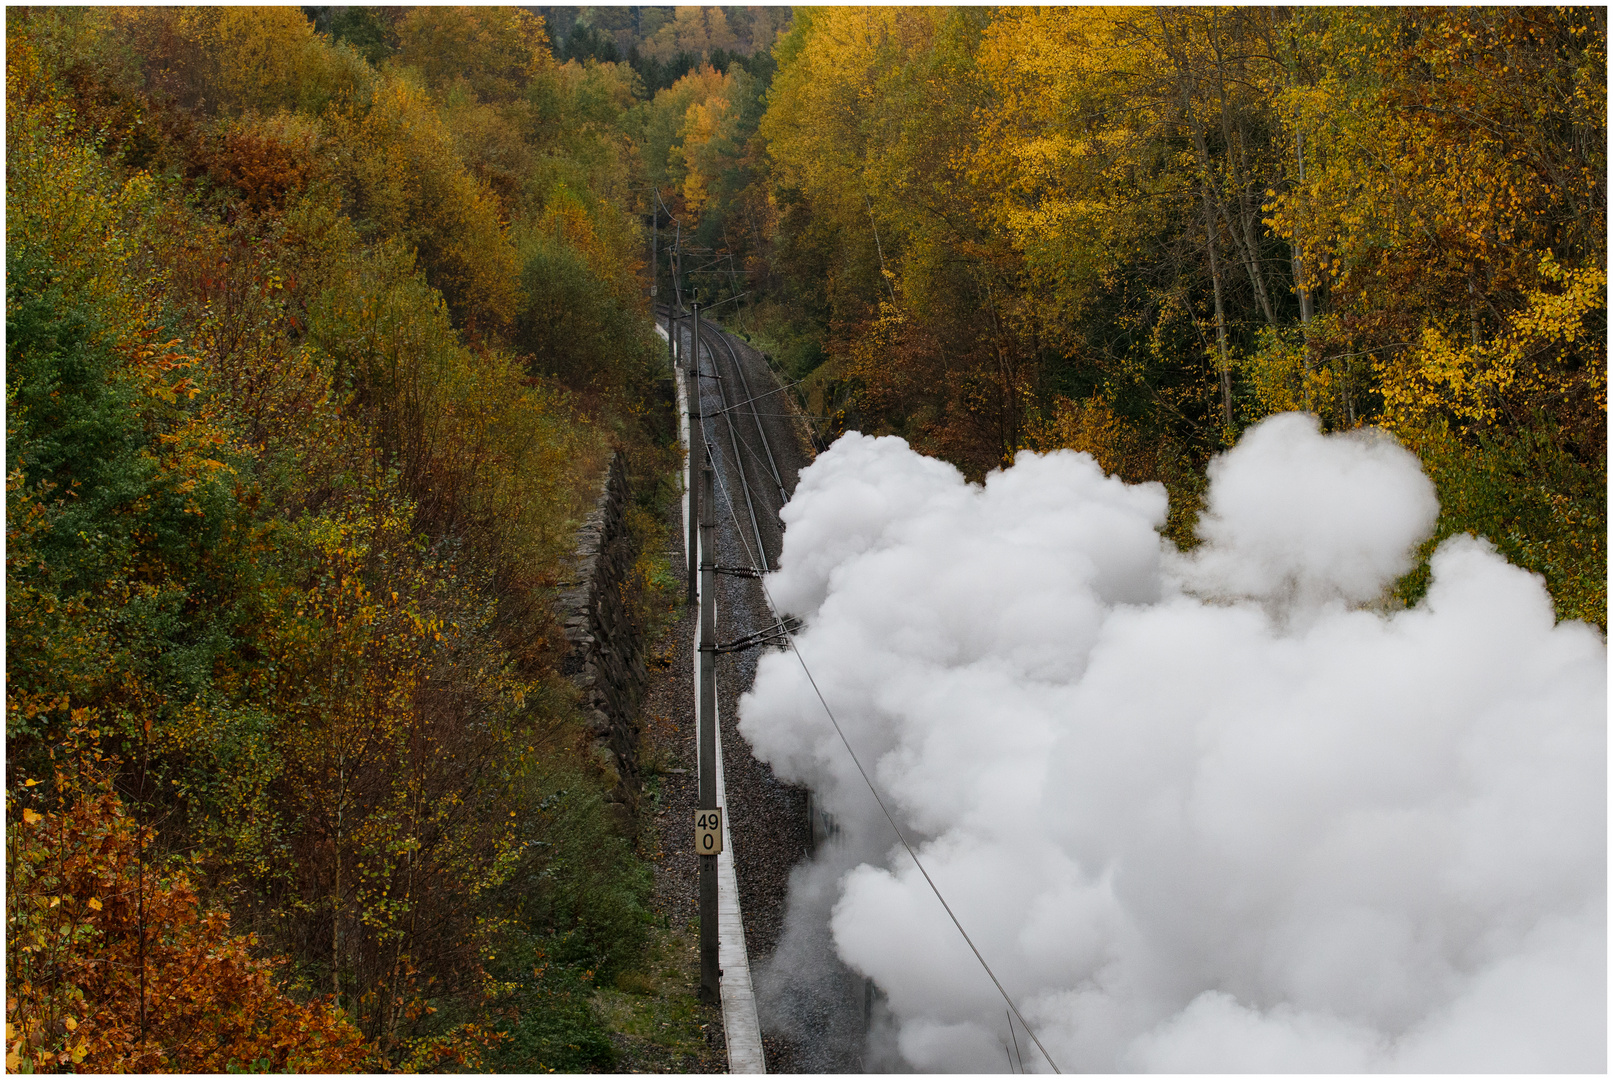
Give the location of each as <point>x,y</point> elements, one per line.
<point>677,263</point>
<point>675,306</point>
<point>710,973</point>
<point>697,452</point>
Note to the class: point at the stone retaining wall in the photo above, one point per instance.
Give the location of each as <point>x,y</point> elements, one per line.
<point>606,659</point>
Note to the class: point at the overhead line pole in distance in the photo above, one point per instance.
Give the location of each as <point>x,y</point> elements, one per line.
<point>655,282</point>
<point>671,308</point>
<point>675,301</point>
<point>697,449</point>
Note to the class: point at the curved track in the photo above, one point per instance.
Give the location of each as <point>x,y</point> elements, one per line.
<point>757,448</point>
<point>733,416</point>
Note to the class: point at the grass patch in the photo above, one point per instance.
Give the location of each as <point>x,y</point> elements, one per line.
<point>547,1017</point>
<point>655,1020</point>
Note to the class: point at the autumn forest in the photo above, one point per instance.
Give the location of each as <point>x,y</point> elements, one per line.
<point>323,324</point>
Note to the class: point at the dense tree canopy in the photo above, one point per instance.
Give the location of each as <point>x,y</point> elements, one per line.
<point>292,460</point>
<point>322,323</point>
<point>1137,231</point>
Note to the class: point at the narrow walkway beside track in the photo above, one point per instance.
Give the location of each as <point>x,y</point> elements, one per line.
<point>742,1032</point>
<point>757,448</point>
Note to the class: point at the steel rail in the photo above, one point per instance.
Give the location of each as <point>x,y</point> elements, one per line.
<point>737,441</point>
<point>784,631</point>
<point>733,438</point>
<point>756,419</point>
<point>789,641</point>
<point>747,399</point>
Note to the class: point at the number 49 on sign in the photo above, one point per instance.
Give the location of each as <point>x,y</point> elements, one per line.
<point>708,832</point>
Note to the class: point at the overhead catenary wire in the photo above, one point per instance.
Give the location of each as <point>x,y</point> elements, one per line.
<point>744,386</point>
<point>769,465</point>
<point>733,436</point>
<point>720,303</point>
<point>793,415</point>
<point>757,458</point>
<point>758,397</point>
<point>758,562</point>
<point>790,640</point>
<point>909,847</point>
<point>1015,1037</point>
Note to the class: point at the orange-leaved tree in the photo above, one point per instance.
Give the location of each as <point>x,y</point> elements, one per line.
<point>115,965</point>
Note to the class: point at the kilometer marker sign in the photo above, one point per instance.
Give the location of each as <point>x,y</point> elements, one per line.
<point>708,832</point>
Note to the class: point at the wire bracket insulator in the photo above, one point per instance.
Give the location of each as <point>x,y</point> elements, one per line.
<point>777,635</point>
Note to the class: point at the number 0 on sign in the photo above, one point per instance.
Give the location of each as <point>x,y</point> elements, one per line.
<point>708,832</point>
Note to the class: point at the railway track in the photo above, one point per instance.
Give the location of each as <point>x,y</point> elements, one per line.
<point>733,415</point>
<point>757,449</point>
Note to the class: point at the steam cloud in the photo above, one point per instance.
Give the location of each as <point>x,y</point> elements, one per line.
<point>1214,811</point>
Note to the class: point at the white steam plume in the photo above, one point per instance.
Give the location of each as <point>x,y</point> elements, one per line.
<point>1201,812</point>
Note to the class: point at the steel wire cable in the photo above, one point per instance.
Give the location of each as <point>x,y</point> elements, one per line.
<point>742,441</point>
<point>733,436</point>
<point>744,385</point>
<point>769,465</point>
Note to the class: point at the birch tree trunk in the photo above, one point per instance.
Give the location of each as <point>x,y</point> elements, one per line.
<point>1220,310</point>
<point>1243,228</point>
<point>1299,277</point>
